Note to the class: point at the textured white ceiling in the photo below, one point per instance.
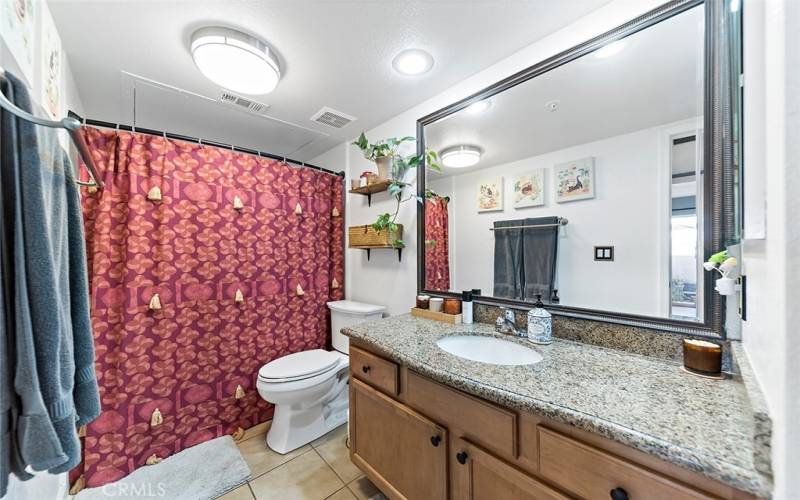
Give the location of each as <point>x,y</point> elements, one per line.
<point>656,79</point>
<point>334,53</point>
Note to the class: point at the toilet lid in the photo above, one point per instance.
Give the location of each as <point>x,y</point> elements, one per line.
<point>299,365</point>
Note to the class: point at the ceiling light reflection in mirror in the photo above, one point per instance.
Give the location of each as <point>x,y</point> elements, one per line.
<point>461,156</point>
<point>610,50</point>
<point>479,107</point>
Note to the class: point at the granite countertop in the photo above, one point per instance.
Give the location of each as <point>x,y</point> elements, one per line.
<point>646,403</point>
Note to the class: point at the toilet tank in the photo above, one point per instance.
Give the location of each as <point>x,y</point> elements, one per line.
<point>346,313</point>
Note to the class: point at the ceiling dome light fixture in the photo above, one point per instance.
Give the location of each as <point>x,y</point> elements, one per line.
<point>235,60</point>
<point>412,62</point>
<point>479,107</point>
<point>460,156</point>
<point>610,49</point>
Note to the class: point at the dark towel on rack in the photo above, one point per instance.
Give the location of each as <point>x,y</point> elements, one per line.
<point>508,278</point>
<point>6,362</point>
<point>539,250</point>
<point>53,349</point>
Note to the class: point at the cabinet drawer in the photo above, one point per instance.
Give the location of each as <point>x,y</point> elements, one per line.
<point>479,421</point>
<point>592,473</point>
<point>374,370</point>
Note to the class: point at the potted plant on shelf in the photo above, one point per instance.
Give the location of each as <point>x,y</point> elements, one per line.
<point>393,166</point>
<point>382,152</point>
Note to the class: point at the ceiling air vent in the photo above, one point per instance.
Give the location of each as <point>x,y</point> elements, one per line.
<point>243,103</point>
<point>332,118</point>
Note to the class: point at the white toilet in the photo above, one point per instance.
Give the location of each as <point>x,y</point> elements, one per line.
<point>309,388</point>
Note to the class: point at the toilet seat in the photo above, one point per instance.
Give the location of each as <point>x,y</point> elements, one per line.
<point>299,366</point>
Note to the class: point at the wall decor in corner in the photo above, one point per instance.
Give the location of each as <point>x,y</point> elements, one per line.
<point>529,189</point>
<point>52,69</point>
<point>18,30</point>
<point>490,195</point>
<point>574,180</point>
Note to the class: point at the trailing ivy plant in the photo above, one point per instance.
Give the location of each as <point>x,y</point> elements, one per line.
<point>400,166</point>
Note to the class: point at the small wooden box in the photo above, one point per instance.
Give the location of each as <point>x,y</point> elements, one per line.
<point>453,319</point>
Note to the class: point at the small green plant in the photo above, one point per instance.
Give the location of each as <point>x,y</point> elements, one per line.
<point>390,148</point>
<point>387,147</point>
<point>722,263</point>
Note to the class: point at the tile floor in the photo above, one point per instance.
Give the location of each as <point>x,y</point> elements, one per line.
<point>317,471</point>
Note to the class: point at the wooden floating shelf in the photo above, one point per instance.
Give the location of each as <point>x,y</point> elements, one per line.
<point>387,247</point>
<point>376,187</point>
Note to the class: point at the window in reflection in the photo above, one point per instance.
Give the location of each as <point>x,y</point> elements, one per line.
<point>684,235</point>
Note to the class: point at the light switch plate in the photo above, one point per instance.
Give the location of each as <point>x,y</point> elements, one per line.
<point>604,253</point>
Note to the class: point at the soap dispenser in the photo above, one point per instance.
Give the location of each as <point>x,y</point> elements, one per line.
<point>540,323</point>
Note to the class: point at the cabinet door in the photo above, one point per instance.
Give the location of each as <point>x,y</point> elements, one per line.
<point>478,475</point>
<point>401,451</point>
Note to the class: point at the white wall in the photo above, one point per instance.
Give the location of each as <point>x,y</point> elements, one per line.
<point>770,258</point>
<point>385,281</point>
<point>43,485</point>
<point>630,212</point>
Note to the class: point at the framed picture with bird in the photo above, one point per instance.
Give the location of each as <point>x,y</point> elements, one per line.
<point>574,180</point>
<point>490,195</point>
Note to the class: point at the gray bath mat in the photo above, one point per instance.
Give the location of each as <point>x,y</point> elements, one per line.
<point>201,472</point>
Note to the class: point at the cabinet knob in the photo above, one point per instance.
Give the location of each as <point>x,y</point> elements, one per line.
<point>619,494</point>
<point>462,457</point>
<point>435,440</point>
<point>365,368</point>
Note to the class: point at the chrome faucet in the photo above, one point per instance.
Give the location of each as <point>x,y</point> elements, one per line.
<point>507,322</point>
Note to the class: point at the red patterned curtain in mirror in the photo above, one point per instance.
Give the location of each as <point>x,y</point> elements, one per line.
<point>437,255</point>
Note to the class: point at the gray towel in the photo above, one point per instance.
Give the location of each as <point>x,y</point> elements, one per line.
<point>539,250</point>
<point>53,351</point>
<point>508,277</point>
<point>6,365</point>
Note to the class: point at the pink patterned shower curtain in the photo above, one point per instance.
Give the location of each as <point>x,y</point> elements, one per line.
<point>437,255</point>
<point>196,358</point>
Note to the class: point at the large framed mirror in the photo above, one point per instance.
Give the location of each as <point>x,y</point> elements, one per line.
<point>598,180</point>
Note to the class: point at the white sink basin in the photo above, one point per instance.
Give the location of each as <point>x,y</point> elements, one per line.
<point>488,350</point>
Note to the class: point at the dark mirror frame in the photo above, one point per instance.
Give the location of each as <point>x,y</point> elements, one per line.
<point>719,190</point>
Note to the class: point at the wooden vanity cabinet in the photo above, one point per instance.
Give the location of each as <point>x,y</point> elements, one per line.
<point>479,475</point>
<point>418,439</point>
<point>404,453</point>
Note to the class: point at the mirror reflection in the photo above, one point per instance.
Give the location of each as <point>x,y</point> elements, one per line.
<point>582,186</point>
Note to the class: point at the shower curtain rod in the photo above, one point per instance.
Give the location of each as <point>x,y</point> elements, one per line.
<point>170,135</point>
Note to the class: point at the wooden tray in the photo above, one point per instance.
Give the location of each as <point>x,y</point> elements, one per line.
<point>453,319</point>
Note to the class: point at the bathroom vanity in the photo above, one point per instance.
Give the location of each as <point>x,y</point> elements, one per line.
<point>585,421</point>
